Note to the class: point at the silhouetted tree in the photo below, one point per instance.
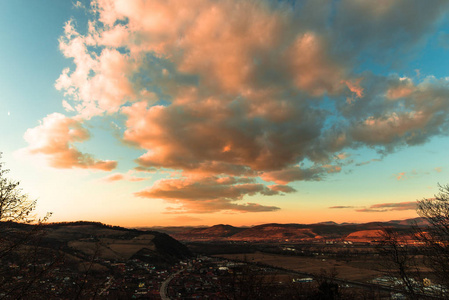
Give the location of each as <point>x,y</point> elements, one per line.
<point>18,240</point>
<point>328,289</point>
<point>15,206</point>
<point>399,261</point>
<point>435,236</point>
<point>401,257</point>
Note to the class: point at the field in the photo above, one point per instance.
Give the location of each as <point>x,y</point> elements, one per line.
<point>113,248</point>
<point>361,270</point>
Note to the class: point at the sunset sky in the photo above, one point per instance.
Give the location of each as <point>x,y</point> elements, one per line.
<point>200,112</point>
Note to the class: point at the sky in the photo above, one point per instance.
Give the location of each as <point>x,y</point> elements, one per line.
<point>242,112</point>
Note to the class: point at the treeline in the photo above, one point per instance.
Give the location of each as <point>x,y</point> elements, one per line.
<point>87,223</point>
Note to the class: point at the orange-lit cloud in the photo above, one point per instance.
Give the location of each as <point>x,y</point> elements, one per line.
<point>224,94</point>
<point>209,194</point>
<point>383,207</point>
<point>341,207</point>
<point>400,176</point>
<point>354,86</point>
<point>126,177</point>
<point>400,91</point>
<point>54,138</point>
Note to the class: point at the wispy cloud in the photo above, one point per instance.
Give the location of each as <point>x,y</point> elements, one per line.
<point>368,162</point>
<point>123,177</point>
<point>383,207</point>
<point>341,207</point>
<point>208,194</point>
<point>415,173</point>
<point>400,176</point>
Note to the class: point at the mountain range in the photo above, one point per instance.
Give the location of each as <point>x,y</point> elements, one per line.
<point>290,232</point>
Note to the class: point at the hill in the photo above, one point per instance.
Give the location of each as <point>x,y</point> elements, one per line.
<point>86,239</point>
<point>292,232</point>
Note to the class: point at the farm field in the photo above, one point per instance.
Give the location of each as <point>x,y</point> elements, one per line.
<point>361,270</point>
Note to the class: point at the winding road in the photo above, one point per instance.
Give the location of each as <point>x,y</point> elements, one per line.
<point>164,287</point>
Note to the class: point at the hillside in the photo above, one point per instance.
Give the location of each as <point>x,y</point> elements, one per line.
<point>86,239</point>
<point>292,232</point>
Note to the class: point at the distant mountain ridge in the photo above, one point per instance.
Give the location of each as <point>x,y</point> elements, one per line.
<point>293,232</point>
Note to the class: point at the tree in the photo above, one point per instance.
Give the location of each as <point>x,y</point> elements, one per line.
<point>435,236</point>
<point>15,206</point>
<point>407,262</point>
<point>18,240</point>
<point>399,261</point>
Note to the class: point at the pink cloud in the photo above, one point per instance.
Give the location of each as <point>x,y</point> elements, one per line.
<point>354,86</point>
<point>208,194</point>
<point>342,156</point>
<point>314,71</point>
<point>400,91</point>
<point>109,86</point>
<point>126,177</point>
<point>219,90</point>
<point>400,176</point>
<point>54,138</point>
<point>383,207</point>
<point>209,137</point>
<point>388,128</point>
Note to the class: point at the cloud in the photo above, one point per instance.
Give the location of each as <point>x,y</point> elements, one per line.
<point>67,106</point>
<point>262,90</point>
<point>400,176</point>
<point>208,194</point>
<point>211,137</point>
<point>383,207</point>
<point>387,120</point>
<point>392,28</point>
<point>145,170</point>
<point>342,156</point>
<point>290,174</point>
<point>282,188</point>
<point>126,177</point>
<point>443,40</point>
<point>414,173</point>
<point>341,207</point>
<point>368,162</point>
<point>54,138</point>
<point>78,4</point>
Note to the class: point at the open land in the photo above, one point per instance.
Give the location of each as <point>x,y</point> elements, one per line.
<point>362,270</point>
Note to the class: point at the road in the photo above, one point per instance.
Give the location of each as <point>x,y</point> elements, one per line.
<point>164,286</point>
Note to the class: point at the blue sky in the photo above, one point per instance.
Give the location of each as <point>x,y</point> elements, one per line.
<point>173,113</point>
